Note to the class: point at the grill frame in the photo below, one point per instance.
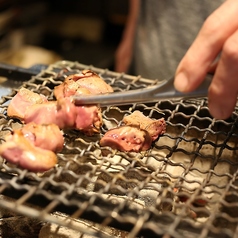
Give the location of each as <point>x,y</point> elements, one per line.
<point>133,192</point>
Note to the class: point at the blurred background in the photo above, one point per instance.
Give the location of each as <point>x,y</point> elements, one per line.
<point>45,31</point>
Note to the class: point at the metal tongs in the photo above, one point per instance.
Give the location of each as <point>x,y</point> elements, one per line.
<point>162,91</point>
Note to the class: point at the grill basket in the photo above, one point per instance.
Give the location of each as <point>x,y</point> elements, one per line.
<point>184,186</point>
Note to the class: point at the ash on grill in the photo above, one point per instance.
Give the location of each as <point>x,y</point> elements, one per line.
<point>185,185</point>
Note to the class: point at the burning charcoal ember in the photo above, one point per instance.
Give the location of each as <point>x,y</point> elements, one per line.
<point>199,202</point>
<point>47,137</point>
<point>21,151</point>
<point>66,115</point>
<point>152,126</point>
<point>127,138</point>
<point>88,82</point>
<point>22,101</point>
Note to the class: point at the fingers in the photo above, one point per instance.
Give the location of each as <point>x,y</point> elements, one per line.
<point>209,42</point>
<point>224,87</point>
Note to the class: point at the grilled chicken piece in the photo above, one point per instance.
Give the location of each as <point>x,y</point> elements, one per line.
<point>152,126</point>
<point>48,113</point>
<point>136,135</point>
<point>66,115</point>
<point>127,138</point>
<point>19,150</point>
<point>23,100</point>
<point>47,137</point>
<point>32,107</point>
<point>88,82</point>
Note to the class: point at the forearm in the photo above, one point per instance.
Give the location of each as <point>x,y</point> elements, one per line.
<point>134,8</point>
<point>123,55</point>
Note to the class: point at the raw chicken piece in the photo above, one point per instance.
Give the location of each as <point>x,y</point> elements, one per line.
<point>22,100</point>
<point>47,137</point>
<point>88,82</point>
<point>152,126</point>
<point>19,150</point>
<point>127,138</point>
<point>66,115</point>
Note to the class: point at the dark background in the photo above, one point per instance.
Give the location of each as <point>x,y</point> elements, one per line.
<point>84,31</point>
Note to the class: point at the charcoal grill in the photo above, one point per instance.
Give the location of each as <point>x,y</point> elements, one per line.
<point>186,185</point>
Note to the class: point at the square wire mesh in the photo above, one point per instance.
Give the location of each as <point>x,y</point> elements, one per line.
<point>185,185</point>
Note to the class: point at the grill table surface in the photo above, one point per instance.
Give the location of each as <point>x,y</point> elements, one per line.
<point>184,186</point>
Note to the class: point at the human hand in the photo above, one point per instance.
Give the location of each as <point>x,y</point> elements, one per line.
<point>218,35</point>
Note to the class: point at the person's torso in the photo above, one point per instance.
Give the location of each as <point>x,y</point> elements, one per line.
<point>166,29</point>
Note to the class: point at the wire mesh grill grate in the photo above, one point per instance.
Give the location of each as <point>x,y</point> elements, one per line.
<point>185,185</point>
